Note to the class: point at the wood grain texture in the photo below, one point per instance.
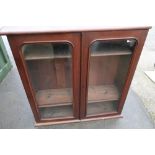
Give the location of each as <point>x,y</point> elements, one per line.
<point>102,70</point>
<point>54,97</point>
<point>61,97</point>
<point>60,73</point>
<point>103,93</point>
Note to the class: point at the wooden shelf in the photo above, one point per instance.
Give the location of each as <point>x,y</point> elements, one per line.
<point>103,93</point>
<point>46,51</point>
<point>110,53</point>
<point>54,97</point>
<point>62,97</point>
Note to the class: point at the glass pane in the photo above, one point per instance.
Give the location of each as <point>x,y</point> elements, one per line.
<point>109,62</point>
<point>50,69</point>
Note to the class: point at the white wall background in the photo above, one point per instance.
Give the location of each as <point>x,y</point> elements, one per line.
<point>76,12</point>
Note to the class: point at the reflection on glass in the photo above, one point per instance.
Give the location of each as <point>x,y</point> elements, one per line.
<point>109,62</point>
<point>49,66</point>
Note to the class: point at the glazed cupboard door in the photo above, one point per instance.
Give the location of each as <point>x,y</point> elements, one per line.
<point>49,65</point>
<point>109,60</point>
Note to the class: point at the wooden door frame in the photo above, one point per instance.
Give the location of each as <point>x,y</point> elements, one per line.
<point>16,41</point>
<point>87,39</point>
<point>7,67</point>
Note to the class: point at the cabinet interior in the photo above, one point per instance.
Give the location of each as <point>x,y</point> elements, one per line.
<point>50,69</point>
<point>108,66</point>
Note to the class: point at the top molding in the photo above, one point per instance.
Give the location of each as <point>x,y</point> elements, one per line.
<point>12,30</point>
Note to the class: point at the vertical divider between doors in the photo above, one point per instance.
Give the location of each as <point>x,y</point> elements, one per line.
<point>75,38</point>
<point>80,79</point>
<point>84,75</point>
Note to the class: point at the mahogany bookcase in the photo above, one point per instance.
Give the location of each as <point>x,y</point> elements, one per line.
<point>76,75</point>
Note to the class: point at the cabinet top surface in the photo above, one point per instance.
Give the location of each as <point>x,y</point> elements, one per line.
<point>8,30</point>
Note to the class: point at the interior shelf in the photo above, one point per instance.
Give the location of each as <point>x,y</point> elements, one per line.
<point>103,93</point>
<point>54,97</point>
<point>110,53</point>
<point>46,51</point>
<point>55,51</point>
<point>62,97</point>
